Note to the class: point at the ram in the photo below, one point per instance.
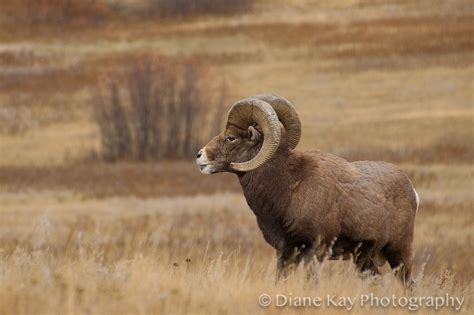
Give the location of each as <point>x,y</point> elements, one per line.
<point>313,204</point>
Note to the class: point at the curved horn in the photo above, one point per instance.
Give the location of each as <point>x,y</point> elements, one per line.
<point>287,115</point>
<point>248,111</point>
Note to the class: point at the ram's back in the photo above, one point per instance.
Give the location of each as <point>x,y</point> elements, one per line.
<point>375,195</point>
<point>388,179</point>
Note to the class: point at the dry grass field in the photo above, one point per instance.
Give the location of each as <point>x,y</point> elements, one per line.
<point>381,80</point>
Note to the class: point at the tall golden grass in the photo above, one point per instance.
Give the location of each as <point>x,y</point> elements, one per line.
<point>200,254</point>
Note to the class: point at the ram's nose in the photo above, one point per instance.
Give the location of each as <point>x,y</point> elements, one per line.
<point>201,158</point>
<point>203,162</point>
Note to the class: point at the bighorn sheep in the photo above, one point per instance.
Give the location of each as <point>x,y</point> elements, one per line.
<point>313,204</point>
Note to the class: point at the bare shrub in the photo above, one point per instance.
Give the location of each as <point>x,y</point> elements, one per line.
<point>181,8</point>
<point>113,123</point>
<point>163,109</point>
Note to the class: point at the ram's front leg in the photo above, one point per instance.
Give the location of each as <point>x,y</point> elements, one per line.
<point>292,255</point>
<point>287,262</point>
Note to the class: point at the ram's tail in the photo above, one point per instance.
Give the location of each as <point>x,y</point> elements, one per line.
<point>417,200</point>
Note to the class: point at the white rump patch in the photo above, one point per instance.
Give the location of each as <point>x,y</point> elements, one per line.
<point>417,199</point>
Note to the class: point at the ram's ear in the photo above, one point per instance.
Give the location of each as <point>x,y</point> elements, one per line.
<point>253,134</point>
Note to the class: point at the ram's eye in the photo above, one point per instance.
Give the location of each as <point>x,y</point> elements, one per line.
<point>230,139</point>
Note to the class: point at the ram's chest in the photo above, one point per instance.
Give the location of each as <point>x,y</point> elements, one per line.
<point>272,231</point>
<point>270,205</point>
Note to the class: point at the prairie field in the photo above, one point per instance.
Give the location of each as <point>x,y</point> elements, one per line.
<point>371,80</point>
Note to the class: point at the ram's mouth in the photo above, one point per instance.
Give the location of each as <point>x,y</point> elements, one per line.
<point>206,169</point>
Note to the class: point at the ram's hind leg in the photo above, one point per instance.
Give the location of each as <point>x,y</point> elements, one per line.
<point>364,258</point>
<point>400,262</point>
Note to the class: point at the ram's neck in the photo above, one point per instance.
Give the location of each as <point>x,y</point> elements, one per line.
<point>268,188</point>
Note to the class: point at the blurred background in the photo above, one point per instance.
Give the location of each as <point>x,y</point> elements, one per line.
<point>104,103</point>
